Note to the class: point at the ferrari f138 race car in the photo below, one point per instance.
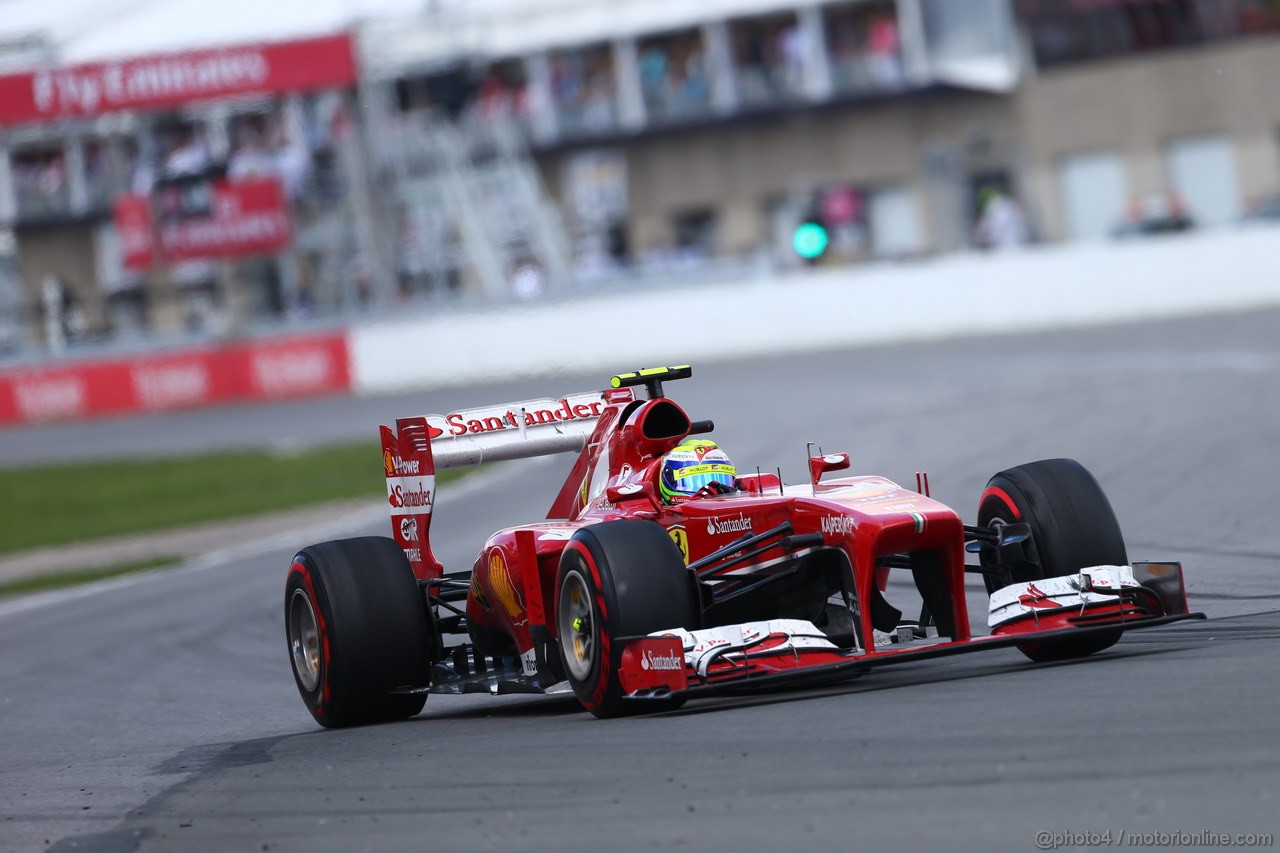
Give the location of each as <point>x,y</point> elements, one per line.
<point>636,600</point>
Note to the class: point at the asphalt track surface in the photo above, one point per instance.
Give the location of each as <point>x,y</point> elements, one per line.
<point>159,713</point>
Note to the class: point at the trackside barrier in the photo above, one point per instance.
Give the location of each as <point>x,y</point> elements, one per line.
<point>245,371</point>
<point>956,296</point>
<point>1040,288</point>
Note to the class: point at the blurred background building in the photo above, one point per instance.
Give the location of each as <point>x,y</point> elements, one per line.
<point>171,169</point>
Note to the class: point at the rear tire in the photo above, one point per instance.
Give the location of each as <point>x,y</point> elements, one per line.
<point>357,627</point>
<point>1072,526</point>
<point>617,579</point>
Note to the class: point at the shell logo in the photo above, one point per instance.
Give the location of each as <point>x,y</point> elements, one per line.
<point>388,463</point>
<point>503,589</point>
<point>477,592</point>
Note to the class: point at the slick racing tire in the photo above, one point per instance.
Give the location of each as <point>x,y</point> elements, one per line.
<point>357,628</point>
<point>617,579</point>
<point>1072,526</point>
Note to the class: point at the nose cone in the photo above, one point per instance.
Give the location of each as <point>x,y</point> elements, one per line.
<point>882,503</point>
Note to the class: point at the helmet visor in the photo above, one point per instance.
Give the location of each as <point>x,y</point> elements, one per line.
<point>693,478</point>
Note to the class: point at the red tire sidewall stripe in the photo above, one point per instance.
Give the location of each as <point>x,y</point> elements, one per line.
<point>1002,496</point>
<point>302,569</point>
<point>604,657</point>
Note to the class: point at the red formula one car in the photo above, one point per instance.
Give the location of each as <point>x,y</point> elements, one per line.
<point>635,602</point>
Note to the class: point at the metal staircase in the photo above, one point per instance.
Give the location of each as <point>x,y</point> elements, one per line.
<point>472,202</point>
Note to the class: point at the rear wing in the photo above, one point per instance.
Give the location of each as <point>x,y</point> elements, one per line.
<point>515,430</point>
<point>418,446</point>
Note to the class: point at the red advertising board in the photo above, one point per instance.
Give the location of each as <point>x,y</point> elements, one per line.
<point>133,221</point>
<point>241,372</point>
<point>174,79</point>
<point>245,218</point>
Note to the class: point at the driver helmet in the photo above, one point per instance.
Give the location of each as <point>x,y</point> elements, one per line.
<point>693,465</point>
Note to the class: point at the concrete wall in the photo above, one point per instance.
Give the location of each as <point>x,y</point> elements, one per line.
<point>959,295</point>
<point>1136,105</point>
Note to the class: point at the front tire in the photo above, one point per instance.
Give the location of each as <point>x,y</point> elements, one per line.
<point>357,628</point>
<point>617,579</point>
<point>1072,526</point>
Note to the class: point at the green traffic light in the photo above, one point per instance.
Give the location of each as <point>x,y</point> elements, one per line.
<point>810,240</point>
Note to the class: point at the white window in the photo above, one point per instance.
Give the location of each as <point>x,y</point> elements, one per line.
<point>1202,170</point>
<point>894,220</point>
<point>1095,189</point>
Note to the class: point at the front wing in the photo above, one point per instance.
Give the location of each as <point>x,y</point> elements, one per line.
<point>788,667</point>
<point>788,652</point>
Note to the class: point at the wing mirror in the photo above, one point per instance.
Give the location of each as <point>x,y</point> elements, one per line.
<point>819,465</point>
<point>629,492</point>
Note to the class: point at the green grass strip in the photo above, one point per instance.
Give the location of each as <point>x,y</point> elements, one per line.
<point>62,504</point>
<point>59,580</point>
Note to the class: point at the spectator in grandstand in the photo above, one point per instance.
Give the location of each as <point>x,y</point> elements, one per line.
<point>528,281</point>
<point>755,64</point>
<point>1001,223</point>
<point>653,73</point>
<point>250,158</point>
<point>865,54</point>
<point>491,97</point>
<point>566,79</point>
<point>293,157</point>
<point>597,104</point>
<point>770,58</point>
<point>305,301</point>
<point>845,43</point>
<point>65,320</point>
<point>673,76</point>
<point>1155,213</point>
<point>886,56</point>
<point>272,146</point>
<point>844,214</point>
<point>792,46</point>
<point>40,182</point>
<point>502,93</point>
<point>695,86</point>
<point>101,180</point>
<point>52,176</point>
<point>582,85</point>
<point>189,157</point>
<point>141,173</point>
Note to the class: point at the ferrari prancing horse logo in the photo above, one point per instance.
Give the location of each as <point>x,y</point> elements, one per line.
<point>681,539</point>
